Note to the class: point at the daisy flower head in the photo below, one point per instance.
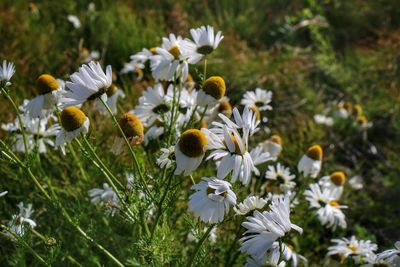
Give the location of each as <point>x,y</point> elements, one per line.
<point>212,90</point>
<point>356,249</point>
<point>7,70</point>
<point>44,104</point>
<point>74,20</point>
<point>223,107</point>
<point>133,130</point>
<point>212,200</point>
<point>363,122</point>
<point>260,98</point>
<point>323,119</point>
<point>335,181</point>
<point>390,256</point>
<point>204,43</point>
<point>281,176</point>
<point>273,145</point>
<point>249,204</point>
<point>22,219</point>
<point>88,83</point>
<point>113,93</point>
<point>356,182</point>
<point>263,229</point>
<point>328,209</point>
<point>105,197</point>
<point>269,259</point>
<point>310,164</point>
<point>259,156</point>
<point>165,161</point>
<point>189,151</point>
<point>231,151</point>
<point>74,122</point>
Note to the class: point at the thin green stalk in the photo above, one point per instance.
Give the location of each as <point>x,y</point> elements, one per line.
<point>205,69</point>
<point>203,114</point>
<point>197,249</point>
<point>21,125</point>
<point>78,162</point>
<point>136,163</point>
<point>25,244</point>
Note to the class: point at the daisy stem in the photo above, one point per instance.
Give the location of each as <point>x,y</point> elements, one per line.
<point>21,125</point>
<point>197,249</point>
<point>172,112</point>
<point>136,163</point>
<point>203,114</point>
<point>54,200</point>
<point>24,243</point>
<point>205,70</point>
<point>82,170</point>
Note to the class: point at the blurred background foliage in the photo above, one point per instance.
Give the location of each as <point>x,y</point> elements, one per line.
<point>309,53</point>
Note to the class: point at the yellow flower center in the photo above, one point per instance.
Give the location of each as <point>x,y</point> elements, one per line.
<point>112,90</point>
<point>352,248</point>
<point>315,152</point>
<point>189,78</point>
<point>348,105</point>
<point>257,112</point>
<point>153,50</point>
<point>46,84</point>
<point>175,51</point>
<point>215,87</point>
<point>138,73</point>
<point>225,108</point>
<point>205,49</point>
<point>212,191</point>
<point>362,120</point>
<point>72,118</point>
<point>338,178</point>
<point>276,139</point>
<point>192,143</point>
<point>131,125</point>
<point>334,204</point>
<point>358,109</point>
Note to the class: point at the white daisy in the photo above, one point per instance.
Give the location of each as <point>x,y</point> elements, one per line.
<point>273,145</point>
<point>281,175</point>
<point>189,151</point>
<point>113,93</point>
<point>21,220</point>
<point>74,20</point>
<point>356,249</point>
<point>323,119</point>
<point>260,98</point>
<point>259,156</point>
<point>263,229</point>
<point>363,123</point>
<point>326,202</point>
<point>74,122</point>
<point>334,181</point>
<point>246,123</point>
<point>270,258</point>
<point>211,91</point>
<point>89,83</point>
<point>249,204</point>
<point>374,261</point>
<point>204,43</point>
<point>164,161</point>
<point>153,133</point>
<point>212,200</point>
<point>289,255</point>
<point>311,162</point>
<point>356,182</point>
<point>391,256</point>
<point>105,197</point>
<point>231,150</point>
<point>6,72</point>
<point>45,103</point>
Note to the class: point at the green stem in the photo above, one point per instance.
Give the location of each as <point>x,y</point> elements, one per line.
<point>75,157</point>
<point>205,70</point>
<point>197,249</point>
<point>21,125</point>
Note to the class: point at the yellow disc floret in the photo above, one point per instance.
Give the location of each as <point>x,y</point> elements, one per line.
<point>358,109</point>
<point>215,87</point>
<point>338,178</point>
<point>175,51</point>
<point>212,191</point>
<point>46,84</point>
<point>257,112</point>
<point>315,152</point>
<point>131,125</point>
<point>362,120</point>
<point>334,204</point>
<point>276,139</point>
<point>225,108</point>
<point>72,118</point>
<point>112,90</point>
<point>153,50</point>
<point>192,143</point>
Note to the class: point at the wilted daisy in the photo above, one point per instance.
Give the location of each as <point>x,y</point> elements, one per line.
<point>74,122</point>
<point>260,98</point>
<point>44,104</point>
<point>189,151</point>
<point>212,200</point>
<point>280,176</point>
<point>231,151</point>
<point>323,119</point>
<point>390,256</point>
<point>356,249</point>
<point>325,200</point>
<point>7,70</point>
<point>212,90</point>
<point>113,93</point>
<point>204,43</point>
<point>310,164</point>
<point>249,204</point>
<point>245,123</point>
<point>21,220</point>
<point>273,145</point>
<point>335,181</point>
<point>263,229</point>
<point>74,20</point>
<point>89,83</point>
<point>105,197</point>
<point>165,161</point>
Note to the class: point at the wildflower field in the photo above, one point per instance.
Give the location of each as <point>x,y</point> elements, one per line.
<point>200,133</point>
